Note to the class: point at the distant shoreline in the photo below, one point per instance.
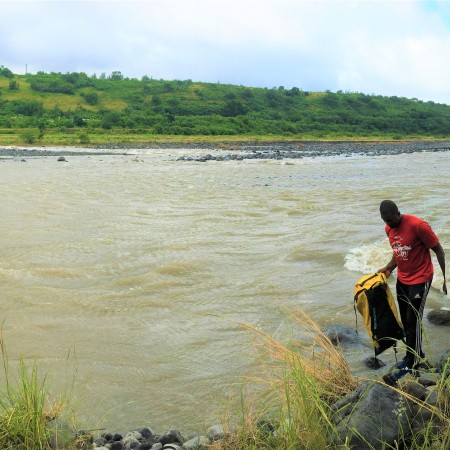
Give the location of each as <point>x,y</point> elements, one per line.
<point>239,150</point>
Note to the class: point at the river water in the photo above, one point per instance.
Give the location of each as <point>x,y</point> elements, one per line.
<point>124,276</point>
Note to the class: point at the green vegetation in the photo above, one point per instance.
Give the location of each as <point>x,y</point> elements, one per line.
<point>294,410</point>
<point>27,417</point>
<point>299,384</point>
<point>115,109</point>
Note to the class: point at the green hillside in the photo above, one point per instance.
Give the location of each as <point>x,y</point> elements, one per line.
<point>75,108</point>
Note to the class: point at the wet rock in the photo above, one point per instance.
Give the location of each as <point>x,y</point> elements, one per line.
<point>133,435</point>
<point>197,443</point>
<point>116,445</point>
<point>371,414</point>
<point>427,381</point>
<point>146,433</point>
<point>426,423</point>
<point>342,335</point>
<point>100,442</point>
<point>171,437</point>
<point>414,389</point>
<point>216,433</point>
<point>131,444</point>
<point>372,362</point>
<point>443,365</point>
<point>132,440</point>
<point>439,317</point>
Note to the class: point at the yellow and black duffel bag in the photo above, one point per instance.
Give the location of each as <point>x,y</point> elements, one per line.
<point>375,302</point>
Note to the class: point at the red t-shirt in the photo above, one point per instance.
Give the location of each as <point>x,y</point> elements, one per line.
<point>411,242</point>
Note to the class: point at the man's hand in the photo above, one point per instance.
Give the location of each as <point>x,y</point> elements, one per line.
<point>388,268</point>
<point>386,271</point>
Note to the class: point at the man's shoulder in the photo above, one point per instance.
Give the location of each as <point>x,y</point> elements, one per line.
<point>421,227</point>
<point>410,219</point>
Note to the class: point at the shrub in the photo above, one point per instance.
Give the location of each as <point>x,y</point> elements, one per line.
<point>111,119</point>
<point>13,85</point>
<point>90,97</point>
<point>84,138</point>
<point>28,136</point>
<point>29,108</point>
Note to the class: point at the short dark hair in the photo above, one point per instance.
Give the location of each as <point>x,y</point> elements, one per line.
<point>388,206</point>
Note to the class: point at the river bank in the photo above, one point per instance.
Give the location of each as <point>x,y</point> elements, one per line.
<point>227,150</point>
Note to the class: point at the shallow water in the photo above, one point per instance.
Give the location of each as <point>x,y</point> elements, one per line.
<point>124,276</point>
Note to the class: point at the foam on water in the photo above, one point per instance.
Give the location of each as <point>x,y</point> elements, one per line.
<point>369,257</point>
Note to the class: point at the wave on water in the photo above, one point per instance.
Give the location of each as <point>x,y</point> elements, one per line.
<point>11,274</point>
<point>369,257</point>
<point>177,268</point>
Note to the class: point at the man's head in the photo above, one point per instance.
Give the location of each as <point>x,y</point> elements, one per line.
<point>390,213</point>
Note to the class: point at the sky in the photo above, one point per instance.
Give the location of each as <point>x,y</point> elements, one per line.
<point>379,47</point>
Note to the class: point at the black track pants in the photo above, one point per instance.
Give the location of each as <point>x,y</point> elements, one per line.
<point>411,302</point>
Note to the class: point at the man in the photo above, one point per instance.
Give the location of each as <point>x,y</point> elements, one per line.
<point>411,239</point>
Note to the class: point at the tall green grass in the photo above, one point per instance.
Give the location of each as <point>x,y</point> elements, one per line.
<point>25,409</point>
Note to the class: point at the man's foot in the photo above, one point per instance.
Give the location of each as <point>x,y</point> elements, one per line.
<point>389,379</point>
<point>398,371</point>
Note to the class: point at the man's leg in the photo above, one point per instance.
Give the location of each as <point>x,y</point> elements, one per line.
<point>411,301</point>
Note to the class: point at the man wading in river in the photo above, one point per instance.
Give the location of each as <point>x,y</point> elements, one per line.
<point>411,240</point>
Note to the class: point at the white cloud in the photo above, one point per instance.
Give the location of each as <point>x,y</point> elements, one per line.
<point>381,47</point>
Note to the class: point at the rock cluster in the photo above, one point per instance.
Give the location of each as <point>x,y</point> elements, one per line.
<point>146,439</point>
<point>290,150</point>
<point>138,439</point>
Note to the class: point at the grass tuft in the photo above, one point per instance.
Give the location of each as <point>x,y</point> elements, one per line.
<point>301,382</point>
<point>25,410</point>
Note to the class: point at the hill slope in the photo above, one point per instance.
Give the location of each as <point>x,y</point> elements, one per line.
<point>77,108</point>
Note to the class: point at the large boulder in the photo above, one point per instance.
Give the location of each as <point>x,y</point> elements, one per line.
<point>372,416</point>
<point>343,336</point>
<point>443,365</point>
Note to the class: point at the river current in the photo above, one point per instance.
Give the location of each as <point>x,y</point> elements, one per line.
<point>124,276</point>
